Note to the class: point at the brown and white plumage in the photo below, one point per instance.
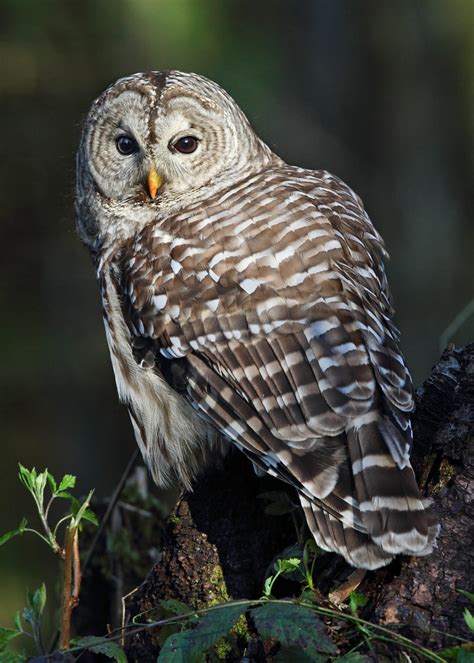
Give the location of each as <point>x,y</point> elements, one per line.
<point>248,304</point>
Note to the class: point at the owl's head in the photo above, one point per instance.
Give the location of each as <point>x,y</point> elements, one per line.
<point>154,142</point>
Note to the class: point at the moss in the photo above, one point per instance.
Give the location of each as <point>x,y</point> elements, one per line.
<point>218,589</point>
<point>241,629</point>
<point>222,649</point>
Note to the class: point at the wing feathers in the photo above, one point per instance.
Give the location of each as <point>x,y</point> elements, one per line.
<point>280,309</point>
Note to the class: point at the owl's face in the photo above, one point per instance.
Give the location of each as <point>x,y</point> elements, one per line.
<point>154,141</point>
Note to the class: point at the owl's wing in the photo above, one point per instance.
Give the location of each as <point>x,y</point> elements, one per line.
<point>284,327</point>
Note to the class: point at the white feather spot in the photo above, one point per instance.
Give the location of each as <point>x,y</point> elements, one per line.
<point>176,266</point>
<point>174,311</point>
<point>249,285</point>
<point>159,301</point>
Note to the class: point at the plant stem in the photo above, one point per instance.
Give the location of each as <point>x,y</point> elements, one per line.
<point>51,538</point>
<point>71,583</point>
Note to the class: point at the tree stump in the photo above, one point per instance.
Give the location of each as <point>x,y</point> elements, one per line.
<point>219,542</point>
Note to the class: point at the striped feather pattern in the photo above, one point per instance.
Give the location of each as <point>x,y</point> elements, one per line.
<point>271,299</point>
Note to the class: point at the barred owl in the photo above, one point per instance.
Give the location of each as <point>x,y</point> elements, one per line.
<point>245,303</point>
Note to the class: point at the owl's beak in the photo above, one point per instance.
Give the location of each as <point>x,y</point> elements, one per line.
<point>154,182</point>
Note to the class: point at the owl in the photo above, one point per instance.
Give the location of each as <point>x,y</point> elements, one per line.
<point>245,303</point>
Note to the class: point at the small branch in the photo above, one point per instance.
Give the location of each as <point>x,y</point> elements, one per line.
<point>76,567</point>
<point>51,538</point>
<point>62,520</point>
<point>100,531</point>
<point>71,584</point>
<point>110,508</point>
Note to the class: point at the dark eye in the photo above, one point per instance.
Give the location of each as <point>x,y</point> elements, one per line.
<point>186,144</point>
<point>126,145</point>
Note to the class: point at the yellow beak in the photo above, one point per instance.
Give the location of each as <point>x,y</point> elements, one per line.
<point>154,182</point>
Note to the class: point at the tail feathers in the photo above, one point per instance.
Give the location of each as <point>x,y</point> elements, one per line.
<point>374,510</point>
<point>358,548</point>
<point>334,535</point>
<point>391,508</point>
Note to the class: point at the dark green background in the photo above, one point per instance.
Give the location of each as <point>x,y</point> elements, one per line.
<point>380,93</point>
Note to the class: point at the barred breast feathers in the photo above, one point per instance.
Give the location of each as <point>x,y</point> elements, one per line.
<point>274,294</point>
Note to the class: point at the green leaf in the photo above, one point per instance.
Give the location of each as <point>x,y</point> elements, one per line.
<point>18,625</point>
<point>287,565</point>
<point>51,481</point>
<point>356,601</point>
<point>78,511</point>
<point>468,595</point>
<point>68,481</point>
<point>28,616</point>
<point>12,657</point>
<point>175,606</point>
<point>102,646</point>
<point>90,516</point>
<point>7,634</point>
<point>188,646</point>
<point>37,601</point>
<point>450,653</point>
<point>267,587</point>
<point>469,619</point>
<point>27,477</point>
<point>40,484</point>
<point>35,605</point>
<point>464,656</point>
<point>14,532</point>
<point>295,627</point>
<point>65,495</point>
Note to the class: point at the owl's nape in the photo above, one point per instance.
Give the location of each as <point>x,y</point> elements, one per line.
<point>245,302</point>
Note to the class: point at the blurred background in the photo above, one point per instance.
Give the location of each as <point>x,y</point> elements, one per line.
<point>379,92</point>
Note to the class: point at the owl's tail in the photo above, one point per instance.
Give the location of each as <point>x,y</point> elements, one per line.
<point>375,510</point>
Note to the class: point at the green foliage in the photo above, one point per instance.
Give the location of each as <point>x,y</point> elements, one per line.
<point>44,489</point>
<point>12,657</point>
<point>356,601</point>
<point>7,634</point>
<point>188,646</point>
<point>14,532</point>
<point>469,619</point>
<point>281,566</point>
<point>296,627</point>
<point>32,615</point>
<point>36,484</point>
<point>301,562</point>
<point>174,606</point>
<point>102,646</point>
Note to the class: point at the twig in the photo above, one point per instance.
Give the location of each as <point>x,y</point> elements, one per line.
<point>100,530</point>
<point>110,508</point>
<point>76,567</point>
<point>70,592</point>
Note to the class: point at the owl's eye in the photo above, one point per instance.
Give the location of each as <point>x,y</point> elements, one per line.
<point>186,144</point>
<point>126,145</point>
